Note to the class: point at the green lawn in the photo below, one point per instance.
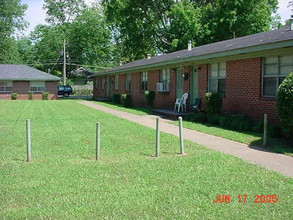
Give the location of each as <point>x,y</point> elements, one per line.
<point>132,110</point>
<point>250,138</point>
<point>65,182</point>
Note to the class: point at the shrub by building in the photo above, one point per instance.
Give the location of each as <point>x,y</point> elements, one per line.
<point>285,106</point>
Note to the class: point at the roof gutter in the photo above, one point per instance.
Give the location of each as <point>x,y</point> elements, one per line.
<point>203,57</point>
<point>47,80</point>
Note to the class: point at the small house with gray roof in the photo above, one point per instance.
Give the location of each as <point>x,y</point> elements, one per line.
<point>21,79</point>
<point>247,71</point>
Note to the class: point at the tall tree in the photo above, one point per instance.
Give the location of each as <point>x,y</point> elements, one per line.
<point>89,39</point>
<point>25,50</point>
<point>132,27</point>
<point>11,20</point>
<point>47,45</point>
<point>224,19</point>
<point>60,12</point>
<point>88,43</point>
<point>145,26</point>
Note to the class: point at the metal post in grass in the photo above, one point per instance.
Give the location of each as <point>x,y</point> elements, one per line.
<point>98,141</point>
<point>265,128</point>
<point>28,140</point>
<point>181,136</point>
<point>157,137</point>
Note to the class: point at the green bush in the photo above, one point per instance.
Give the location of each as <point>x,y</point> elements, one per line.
<point>285,106</point>
<point>149,97</point>
<point>30,95</point>
<point>14,96</point>
<point>213,103</point>
<point>257,127</point>
<point>240,123</point>
<point>45,95</point>
<point>225,122</point>
<point>198,117</point>
<point>80,92</point>
<point>213,119</point>
<point>116,98</point>
<point>126,100</point>
<point>275,131</point>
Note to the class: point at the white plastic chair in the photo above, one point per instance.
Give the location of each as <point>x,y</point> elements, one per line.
<point>181,103</point>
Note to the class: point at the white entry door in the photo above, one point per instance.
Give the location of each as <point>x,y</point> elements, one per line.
<point>179,82</point>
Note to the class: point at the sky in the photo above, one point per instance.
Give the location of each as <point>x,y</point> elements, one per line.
<point>36,15</point>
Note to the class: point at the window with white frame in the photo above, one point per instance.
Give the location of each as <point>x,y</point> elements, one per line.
<point>37,86</point>
<point>5,86</point>
<point>128,82</point>
<point>116,85</point>
<point>165,76</point>
<point>144,81</point>
<point>104,82</point>
<point>275,69</point>
<point>217,77</point>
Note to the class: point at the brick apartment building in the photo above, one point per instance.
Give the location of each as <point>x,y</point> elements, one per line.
<point>21,79</point>
<point>246,71</point>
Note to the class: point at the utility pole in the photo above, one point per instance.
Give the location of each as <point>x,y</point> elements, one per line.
<point>64,62</point>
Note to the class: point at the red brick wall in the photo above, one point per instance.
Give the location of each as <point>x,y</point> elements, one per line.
<point>22,89</point>
<point>202,82</point>
<point>162,99</point>
<point>98,92</point>
<point>137,94</point>
<point>243,89</point>
<point>166,99</point>
<point>52,88</point>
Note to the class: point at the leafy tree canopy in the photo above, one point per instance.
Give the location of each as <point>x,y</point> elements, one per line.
<point>151,26</point>
<point>60,12</point>
<point>11,20</point>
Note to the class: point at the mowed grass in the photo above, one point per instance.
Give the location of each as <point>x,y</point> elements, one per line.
<point>254,139</point>
<point>132,110</point>
<point>65,182</point>
<point>249,138</point>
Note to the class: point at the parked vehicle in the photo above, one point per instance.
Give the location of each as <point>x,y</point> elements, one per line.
<point>64,90</point>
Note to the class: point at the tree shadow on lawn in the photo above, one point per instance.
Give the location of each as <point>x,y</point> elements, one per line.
<point>87,98</point>
<point>276,145</point>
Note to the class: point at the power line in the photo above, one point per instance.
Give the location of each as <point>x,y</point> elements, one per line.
<point>69,64</point>
<point>31,64</point>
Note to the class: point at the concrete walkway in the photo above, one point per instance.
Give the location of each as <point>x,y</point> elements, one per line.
<point>272,161</point>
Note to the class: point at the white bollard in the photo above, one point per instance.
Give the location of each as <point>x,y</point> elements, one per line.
<point>98,141</point>
<point>157,137</point>
<point>181,136</point>
<point>265,128</point>
<point>28,140</point>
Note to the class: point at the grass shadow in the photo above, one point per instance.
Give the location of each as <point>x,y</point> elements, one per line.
<point>252,139</point>
<point>277,145</point>
<point>87,98</point>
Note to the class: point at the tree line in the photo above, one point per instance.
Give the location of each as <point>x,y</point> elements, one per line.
<point>106,32</point>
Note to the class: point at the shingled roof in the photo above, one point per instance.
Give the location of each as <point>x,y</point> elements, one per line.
<point>234,45</point>
<point>24,73</point>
